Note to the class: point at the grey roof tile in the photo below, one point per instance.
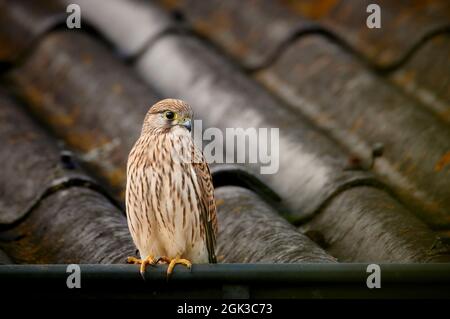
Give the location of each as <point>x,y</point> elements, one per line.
<point>375,228</point>
<point>311,166</point>
<point>88,98</point>
<point>255,31</point>
<point>426,76</point>
<point>360,109</point>
<point>96,108</point>
<point>130,24</point>
<point>92,114</point>
<point>247,219</point>
<point>4,259</point>
<point>73,225</point>
<point>31,164</point>
<point>71,220</point>
<point>23,22</point>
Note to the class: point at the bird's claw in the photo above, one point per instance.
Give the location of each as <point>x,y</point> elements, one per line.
<point>133,260</point>
<point>176,261</point>
<point>149,260</point>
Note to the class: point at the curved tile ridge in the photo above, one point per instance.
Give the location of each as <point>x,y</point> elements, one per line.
<point>23,23</point>
<point>130,24</point>
<point>309,163</point>
<point>360,109</point>
<point>313,170</point>
<point>260,234</point>
<point>101,123</point>
<point>255,31</point>
<point>374,229</point>
<point>324,154</point>
<point>426,76</point>
<point>36,177</point>
<point>72,223</point>
<point>4,259</point>
<point>98,110</point>
<point>107,103</point>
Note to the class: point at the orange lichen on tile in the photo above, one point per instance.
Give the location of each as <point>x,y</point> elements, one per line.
<point>65,119</point>
<point>443,161</point>
<point>22,137</point>
<point>311,9</point>
<point>117,88</point>
<point>219,202</point>
<point>117,176</point>
<point>87,59</point>
<point>171,4</point>
<point>85,141</point>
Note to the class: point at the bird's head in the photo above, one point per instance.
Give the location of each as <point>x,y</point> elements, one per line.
<point>166,115</point>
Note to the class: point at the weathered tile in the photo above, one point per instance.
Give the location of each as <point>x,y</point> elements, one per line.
<point>256,31</point>
<point>260,234</point>
<point>91,101</point>
<point>4,259</point>
<point>426,76</point>
<point>251,31</point>
<point>314,172</point>
<point>22,22</point>
<point>31,164</point>
<point>359,110</point>
<point>93,113</point>
<point>130,24</point>
<point>311,166</point>
<point>375,229</point>
<point>313,169</point>
<point>50,211</point>
<point>404,24</point>
<point>73,225</point>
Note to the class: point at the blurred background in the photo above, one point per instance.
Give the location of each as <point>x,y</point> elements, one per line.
<point>360,94</point>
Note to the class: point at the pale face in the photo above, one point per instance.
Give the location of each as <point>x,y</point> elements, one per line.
<point>168,119</point>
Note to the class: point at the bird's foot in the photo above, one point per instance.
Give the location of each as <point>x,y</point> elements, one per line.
<point>143,262</point>
<point>163,259</point>
<point>173,262</point>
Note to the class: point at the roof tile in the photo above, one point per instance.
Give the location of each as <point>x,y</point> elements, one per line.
<point>256,31</point>
<point>360,109</point>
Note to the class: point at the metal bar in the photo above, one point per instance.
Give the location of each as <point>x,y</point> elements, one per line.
<point>241,273</point>
<point>212,281</point>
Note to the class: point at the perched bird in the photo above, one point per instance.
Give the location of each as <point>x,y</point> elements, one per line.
<point>170,204</point>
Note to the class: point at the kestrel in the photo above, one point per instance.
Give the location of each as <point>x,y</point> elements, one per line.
<point>170,204</point>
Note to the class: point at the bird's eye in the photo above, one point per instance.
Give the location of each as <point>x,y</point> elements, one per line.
<point>169,115</point>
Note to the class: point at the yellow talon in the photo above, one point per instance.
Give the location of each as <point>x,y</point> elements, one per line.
<point>149,260</point>
<point>176,261</point>
<point>133,260</point>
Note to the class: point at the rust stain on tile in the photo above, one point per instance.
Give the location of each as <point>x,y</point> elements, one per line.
<point>117,88</point>
<point>311,9</point>
<point>22,137</point>
<point>171,4</point>
<point>65,119</point>
<point>87,59</point>
<point>443,161</point>
<point>219,202</point>
<point>357,124</point>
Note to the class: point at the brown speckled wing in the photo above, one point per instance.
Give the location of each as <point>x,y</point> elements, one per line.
<point>208,207</point>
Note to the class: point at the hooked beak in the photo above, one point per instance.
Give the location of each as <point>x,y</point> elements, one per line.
<point>187,124</point>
